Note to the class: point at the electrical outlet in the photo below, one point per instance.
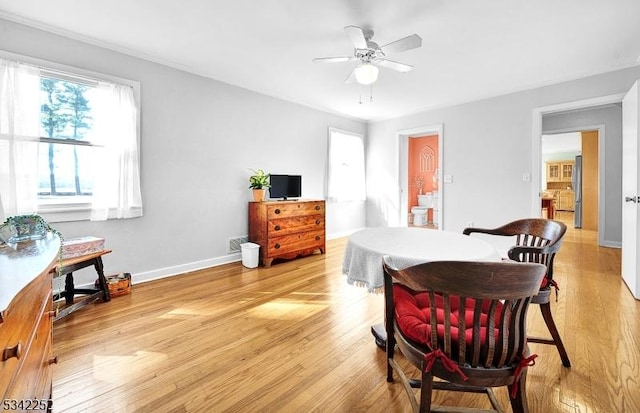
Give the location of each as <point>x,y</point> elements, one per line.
<point>469,224</point>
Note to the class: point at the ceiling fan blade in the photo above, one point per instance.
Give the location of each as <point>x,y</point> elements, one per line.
<point>390,64</point>
<point>356,35</point>
<point>406,43</point>
<point>333,59</point>
<point>351,78</point>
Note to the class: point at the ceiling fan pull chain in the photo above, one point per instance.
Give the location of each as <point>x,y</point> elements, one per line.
<point>371,93</point>
<point>360,99</point>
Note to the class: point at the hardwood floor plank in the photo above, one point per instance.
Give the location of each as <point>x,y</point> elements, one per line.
<point>296,337</point>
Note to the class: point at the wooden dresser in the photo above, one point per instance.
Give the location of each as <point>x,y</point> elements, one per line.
<point>26,323</point>
<point>287,229</point>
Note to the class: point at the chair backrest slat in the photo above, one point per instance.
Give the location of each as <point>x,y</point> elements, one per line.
<point>447,324</point>
<point>520,323</point>
<point>491,339</point>
<point>476,337</point>
<point>502,346</point>
<point>433,320</point>
<point>462,326</point>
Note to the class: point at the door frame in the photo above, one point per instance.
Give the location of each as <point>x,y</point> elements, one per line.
<point>600,128</point>
<point>403,166</point>
<point>536,153</point>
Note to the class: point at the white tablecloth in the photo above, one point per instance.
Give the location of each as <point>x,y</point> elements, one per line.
<point>362,262</point>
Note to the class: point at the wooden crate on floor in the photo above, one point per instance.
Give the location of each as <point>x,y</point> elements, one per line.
<point>119,284</point>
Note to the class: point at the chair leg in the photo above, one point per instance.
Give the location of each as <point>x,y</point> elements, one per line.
<point>519,403</point>
<point>551,325</point>
<point>425,392</point>
<point>391,344</point>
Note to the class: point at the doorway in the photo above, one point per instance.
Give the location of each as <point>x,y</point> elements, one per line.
<point>609,176</point>
<point>570,171</point>
<point>414,181</point>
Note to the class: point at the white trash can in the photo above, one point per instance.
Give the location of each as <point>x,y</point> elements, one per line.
<point>250,254</point>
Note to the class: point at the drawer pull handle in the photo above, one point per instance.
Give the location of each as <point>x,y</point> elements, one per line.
<point>277,246</point>
<point>10,352</point>
<point>317,207</point>
<point>277,211</point>
<point>317,237</point>
<point>53,360</point>
<point>317,222</point>
<point>277,227</point>
<point>54,313</point>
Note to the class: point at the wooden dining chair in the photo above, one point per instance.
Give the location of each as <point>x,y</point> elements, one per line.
<point>536,240</point>
<point>463,322</point>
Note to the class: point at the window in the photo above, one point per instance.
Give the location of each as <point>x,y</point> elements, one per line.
<point>346,166</point>
<point>66,150</point>
<point>71,144</point>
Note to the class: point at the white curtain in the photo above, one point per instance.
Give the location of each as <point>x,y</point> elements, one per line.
<point>116,192</point>
<point>19,141</point>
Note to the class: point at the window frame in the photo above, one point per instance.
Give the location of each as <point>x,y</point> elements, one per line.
<point>78,209</point>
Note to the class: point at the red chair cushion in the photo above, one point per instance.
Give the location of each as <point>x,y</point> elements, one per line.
<point>413,315</point>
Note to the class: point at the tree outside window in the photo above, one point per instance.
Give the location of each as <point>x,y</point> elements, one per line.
<point>66,152</point>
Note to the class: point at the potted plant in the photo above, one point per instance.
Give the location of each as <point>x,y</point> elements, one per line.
<point>24,228</point>
<point>259,182</point>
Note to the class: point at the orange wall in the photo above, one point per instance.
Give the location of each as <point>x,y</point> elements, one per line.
<point>419,166</point>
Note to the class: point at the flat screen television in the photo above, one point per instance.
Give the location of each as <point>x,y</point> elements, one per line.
<point>285,186</point>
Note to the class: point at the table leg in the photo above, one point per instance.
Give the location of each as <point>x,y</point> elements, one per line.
<point>380,335</point>
<point>69,289</point>
<point>102,281</point>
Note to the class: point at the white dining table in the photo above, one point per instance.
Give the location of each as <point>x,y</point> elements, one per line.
<point>405,246</point>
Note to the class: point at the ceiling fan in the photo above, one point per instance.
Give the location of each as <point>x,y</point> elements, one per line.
<point>368,55</point>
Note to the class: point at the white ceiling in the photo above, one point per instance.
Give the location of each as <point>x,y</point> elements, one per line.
<point>562,142</point>
<point>471,49</point>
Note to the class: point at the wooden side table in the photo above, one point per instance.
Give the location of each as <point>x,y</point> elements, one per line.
<point>67,267</point>
<point>550,205</point>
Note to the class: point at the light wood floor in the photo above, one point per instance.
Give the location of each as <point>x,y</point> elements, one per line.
<point>295,338</point>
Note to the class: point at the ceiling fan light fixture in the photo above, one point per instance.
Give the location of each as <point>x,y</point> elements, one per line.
<point>366,73</point>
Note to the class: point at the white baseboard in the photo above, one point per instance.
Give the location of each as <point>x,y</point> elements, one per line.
<point>183,268</point>
<point>137,278</point>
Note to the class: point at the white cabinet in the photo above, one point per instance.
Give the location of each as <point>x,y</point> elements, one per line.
<point>560,171</point>
<point>565,200</point>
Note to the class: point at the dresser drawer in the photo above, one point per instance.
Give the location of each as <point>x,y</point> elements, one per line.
<point>286,226</point>
<point>31,380</point>
<point>19,319</point>
<point>294,209</point>
<point>291,243</point>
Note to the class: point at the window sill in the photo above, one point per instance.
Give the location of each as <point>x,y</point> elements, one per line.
<point>64,212</point>
<point>80,211</point>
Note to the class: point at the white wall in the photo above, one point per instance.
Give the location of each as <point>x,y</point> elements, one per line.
<point>487,148</point>
<point>199,139</point>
